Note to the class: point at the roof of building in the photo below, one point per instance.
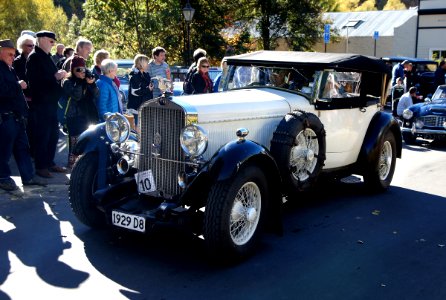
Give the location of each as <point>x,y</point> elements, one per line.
<point>365,23</point>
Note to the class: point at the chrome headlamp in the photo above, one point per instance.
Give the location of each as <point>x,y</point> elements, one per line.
<point>117,127</point>
<point>407,114</point>
<point>194,140</point>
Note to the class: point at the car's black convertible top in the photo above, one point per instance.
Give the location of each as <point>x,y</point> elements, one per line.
<point>339,61</point>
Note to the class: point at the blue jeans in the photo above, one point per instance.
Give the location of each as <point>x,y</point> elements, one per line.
<point>14,141</point>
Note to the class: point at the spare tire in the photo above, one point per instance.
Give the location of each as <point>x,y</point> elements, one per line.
<point>298,146</point>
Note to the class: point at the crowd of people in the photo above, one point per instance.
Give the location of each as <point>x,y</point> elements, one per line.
<point>40,91</point>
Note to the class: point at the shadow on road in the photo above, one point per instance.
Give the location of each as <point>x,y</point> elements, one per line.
<point>339,241</point>
<point>34,237</point>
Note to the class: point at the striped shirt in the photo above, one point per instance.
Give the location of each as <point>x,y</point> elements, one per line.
<point>157,70</point>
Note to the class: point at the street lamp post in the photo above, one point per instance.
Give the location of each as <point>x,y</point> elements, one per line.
<point>188,13</point>
<point>350,24</point>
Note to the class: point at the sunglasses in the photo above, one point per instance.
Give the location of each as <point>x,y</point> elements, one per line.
<point>205,66</point>
<point>80,70</point>
<point>29,46</point>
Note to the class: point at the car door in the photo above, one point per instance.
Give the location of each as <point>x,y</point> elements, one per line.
<point>346,114</point>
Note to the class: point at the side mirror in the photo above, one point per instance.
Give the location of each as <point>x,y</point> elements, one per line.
<point>427,99</point>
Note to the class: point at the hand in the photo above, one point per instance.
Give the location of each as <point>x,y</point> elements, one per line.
<point>23,84</point>
<point>168,73</point>
<point>60,74</point>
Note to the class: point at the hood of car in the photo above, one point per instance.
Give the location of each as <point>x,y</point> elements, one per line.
<point>238,104</point>
<point>430,108</point>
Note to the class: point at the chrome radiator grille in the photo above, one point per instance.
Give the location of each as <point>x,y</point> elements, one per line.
<point>160,127</point>
<point>433,121</point>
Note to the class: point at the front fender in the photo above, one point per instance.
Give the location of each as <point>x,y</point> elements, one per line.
<point>231,157</point>
<point>92,139</point>
<point>380,124</point>
<point>227,162</point>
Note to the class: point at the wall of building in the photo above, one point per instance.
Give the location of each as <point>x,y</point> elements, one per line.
<point>431,34</point>
<point>432,4</point>
<point>404,38</point>
<point>360,45</point>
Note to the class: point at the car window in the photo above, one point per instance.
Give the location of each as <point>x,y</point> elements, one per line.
<point>340,85</point>
<point>440,94</point>
<point>291,79</point>
<point>123,73</point>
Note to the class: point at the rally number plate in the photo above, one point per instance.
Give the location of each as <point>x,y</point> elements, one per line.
<point>128,221</point>
<point>145,181</point>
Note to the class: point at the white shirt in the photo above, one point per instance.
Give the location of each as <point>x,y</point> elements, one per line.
<point>404,103</point>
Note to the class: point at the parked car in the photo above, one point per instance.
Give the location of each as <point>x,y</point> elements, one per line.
<point>220,164</point>
<point>124,68</point>
<point>426,120</point>
<point>422,73</point>
<point>179,75</point>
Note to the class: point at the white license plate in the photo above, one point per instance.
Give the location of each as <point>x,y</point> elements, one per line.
<point>145,182</point>
<point>128,221</point>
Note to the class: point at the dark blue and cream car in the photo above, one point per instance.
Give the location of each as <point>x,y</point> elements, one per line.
<point>220,164</point>
<point>426,120</point>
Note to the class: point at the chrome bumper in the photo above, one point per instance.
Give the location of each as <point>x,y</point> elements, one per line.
<point>414,130</point>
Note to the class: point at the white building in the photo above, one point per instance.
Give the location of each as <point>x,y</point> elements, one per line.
<point>417,32</point>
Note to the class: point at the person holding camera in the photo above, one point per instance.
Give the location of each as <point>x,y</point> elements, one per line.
<point>81,90</point>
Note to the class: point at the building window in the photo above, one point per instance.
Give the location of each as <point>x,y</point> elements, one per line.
<point>438,54</point>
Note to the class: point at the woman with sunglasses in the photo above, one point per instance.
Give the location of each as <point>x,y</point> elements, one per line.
<point>201,82</point>
<point>81,111</point>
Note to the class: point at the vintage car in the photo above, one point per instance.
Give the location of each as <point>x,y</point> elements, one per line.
<point>221,164</point>
<point>422,73</point>
<point>426,120</point>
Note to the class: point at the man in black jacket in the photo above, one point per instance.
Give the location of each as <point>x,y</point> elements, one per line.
<point>44,80</point>
<point>13,112</point>
<point>439,76</point>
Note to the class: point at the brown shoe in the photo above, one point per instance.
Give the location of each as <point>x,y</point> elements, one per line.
<point>44,173</point>
<point>57,169</point>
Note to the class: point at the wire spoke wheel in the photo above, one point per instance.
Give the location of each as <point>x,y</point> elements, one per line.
<point>303,156</point>
<point>245,213</point>
<point>385,160</point>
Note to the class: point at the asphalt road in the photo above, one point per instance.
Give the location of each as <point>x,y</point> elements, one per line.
<point>338,243</point>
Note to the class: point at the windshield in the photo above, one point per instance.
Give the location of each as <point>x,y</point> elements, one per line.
<point>291,79</point>
<point>422,68</point>
<point>440,94</point>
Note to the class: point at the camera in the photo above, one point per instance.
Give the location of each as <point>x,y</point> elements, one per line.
<point>88,74</point>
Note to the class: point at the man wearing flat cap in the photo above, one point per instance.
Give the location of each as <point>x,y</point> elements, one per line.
<point>13,113</point>
<point>44,80</point>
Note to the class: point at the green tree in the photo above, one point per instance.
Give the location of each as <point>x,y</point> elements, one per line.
<point>74,30</point>
<point>298,23</point>
<point>35,15</point>
<point>126,28</point>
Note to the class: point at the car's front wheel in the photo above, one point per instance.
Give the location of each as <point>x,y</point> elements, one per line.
<point>81,189</point>
<point>379,173</point>
<point>234,214</point>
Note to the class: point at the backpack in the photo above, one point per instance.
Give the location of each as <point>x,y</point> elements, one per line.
<point>188,89</point>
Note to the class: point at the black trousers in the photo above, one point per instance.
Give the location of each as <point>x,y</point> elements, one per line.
<point>46,136</point>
